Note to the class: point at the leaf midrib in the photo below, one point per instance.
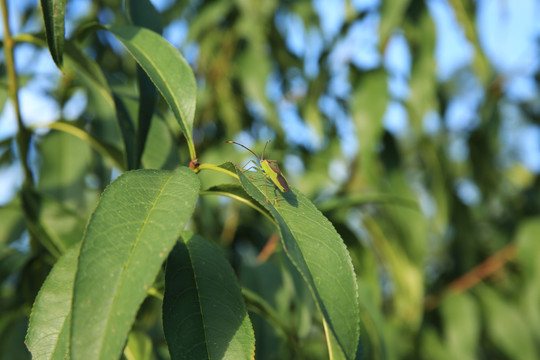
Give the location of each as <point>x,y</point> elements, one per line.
<point>128,262</point>
<point>177,106</point>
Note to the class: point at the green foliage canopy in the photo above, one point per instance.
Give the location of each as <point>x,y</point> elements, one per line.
<point>116,245</point>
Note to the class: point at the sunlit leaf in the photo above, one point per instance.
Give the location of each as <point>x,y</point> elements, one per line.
<point>318,253</point>
<point>130,234</point>
<point>167,69</point>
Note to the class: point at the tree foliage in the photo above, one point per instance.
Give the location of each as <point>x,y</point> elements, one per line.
<point>133,234</point>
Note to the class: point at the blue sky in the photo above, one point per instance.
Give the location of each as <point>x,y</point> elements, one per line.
<point>507,30</point>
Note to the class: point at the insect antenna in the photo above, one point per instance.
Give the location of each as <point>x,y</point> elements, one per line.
<point>262,155</point>
<point>248,149</point>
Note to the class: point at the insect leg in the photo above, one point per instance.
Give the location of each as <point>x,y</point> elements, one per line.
<point>257,168</point>
<point>253,166</point>
<point>276,196</point>
<point>260,170</point>
<point>266,188</point>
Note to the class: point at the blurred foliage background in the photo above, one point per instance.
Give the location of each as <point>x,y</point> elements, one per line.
<point>399,119</point>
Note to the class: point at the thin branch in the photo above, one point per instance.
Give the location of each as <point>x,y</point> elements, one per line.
<point>23,135</point>
<point>474,276</point>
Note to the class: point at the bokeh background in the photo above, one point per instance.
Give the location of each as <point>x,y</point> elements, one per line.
<point>413,125</point>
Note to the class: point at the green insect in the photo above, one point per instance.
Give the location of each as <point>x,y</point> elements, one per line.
<point>269,168</point>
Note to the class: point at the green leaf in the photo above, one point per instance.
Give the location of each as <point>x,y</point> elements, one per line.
<point>528,248</point>
<point>461,325</point>
<point>105,134</point>
<point>161,151</point>
<point>204,315</point>
<point>32,205</point>
<point>373,344</point>
<point>431,346</point>
<point>48,330</point>
<point>109,152</point>
<point>391,16</point>
<point>130,234</point>
<point>12,221</point>
<point>127,129</point>
<point>465,18</point>
<point>138,347</point>
<point>338,203</point>
<point>12,331</point>
<point>64,165</point>
<point>100,100</point>
<point>144,14</point>
<point>147,103</point>
<point>276,292</point>
<point>12,260</point>
<point>54,12</point>
<point>368,103</point>
<point>209,15</point>
<point>167,69</point>
<point>58,206</point>
<point>319,254</point>
<point>63,226</point>
<point>253,68</point>
<point>506,326</point>
<point>423,83</point>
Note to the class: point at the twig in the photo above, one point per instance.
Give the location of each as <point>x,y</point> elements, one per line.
<point>23,135</point>
<point>474,276</point>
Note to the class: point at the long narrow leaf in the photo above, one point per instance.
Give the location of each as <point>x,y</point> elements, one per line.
<point>319,254</point>
<point>128,132</point>
<point>48,330</point>
<point>167,69</point>
<point>204,315</point>
<point>147,103</point>
<point>128,237</point>
<point>54,12</point>
<point>144,14</point>
<point>368,103</point>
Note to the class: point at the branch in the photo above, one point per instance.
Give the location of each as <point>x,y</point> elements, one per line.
<point>474,276</point>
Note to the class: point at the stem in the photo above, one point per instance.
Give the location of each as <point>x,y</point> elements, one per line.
<point>232,196</point>
<point>191,148</point>
<point>475,275</point>
<point>484,269</point>
<point>84,136</point>
<point>31,39</point>
<point>219,169</point>
<point>363,199</point>
<point>269,248</point>
<point>240,199</point>
<point>23,135</point>
<point>155,293</point>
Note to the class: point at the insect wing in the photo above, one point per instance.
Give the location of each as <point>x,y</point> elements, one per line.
<point>284,186</point>
<point>283,182</point>
<point>274,166</point>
